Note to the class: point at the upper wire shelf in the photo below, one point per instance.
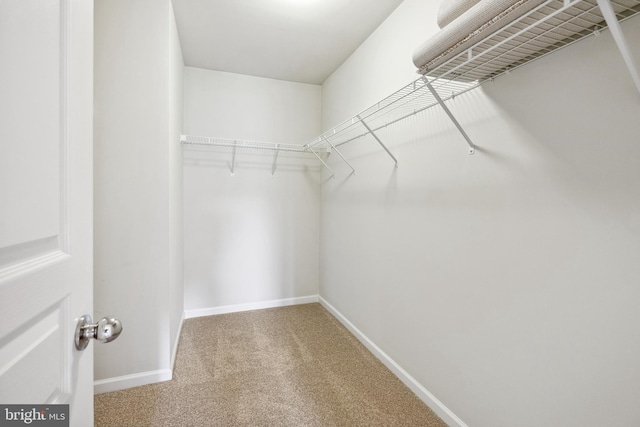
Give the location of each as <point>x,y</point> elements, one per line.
<point>548,27</point>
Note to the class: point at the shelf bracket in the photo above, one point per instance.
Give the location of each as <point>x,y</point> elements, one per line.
<point>275,159</point>
<point>233,159</point>
<point>377,139</point>
<point>618,36</point>
<point>338,152</point>
<point>333,174</point>
<point>472,147</point>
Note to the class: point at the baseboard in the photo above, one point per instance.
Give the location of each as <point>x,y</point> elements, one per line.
<point>133,380</point>
<point>212,311</point>
<point>143,378</point>
<point>176,342</point>
<point>427,397</point>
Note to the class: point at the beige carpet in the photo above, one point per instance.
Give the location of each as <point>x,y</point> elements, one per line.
<point>291,366</point>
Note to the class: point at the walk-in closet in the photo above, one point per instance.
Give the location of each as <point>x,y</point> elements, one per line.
<point>321,212</point>
<point>470,216</point>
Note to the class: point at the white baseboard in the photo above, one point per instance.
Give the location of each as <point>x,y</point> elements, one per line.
<point>212,311</point>
<point>429,399</point>
<point>133,380</point>
<point>142,378</point>
<point>176,342</point>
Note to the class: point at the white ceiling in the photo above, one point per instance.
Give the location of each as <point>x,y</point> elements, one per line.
<point>295,40</point>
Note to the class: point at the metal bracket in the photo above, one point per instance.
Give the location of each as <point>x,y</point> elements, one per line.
<point>616,31</point>
<point>333,174</point>
<point>275,159</point>
<point>472,147</point>
<point>338,152</point>
<point>377,139</point>
<point>233,159</point>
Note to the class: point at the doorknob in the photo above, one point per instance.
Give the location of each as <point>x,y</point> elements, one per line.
<point>106,330</point>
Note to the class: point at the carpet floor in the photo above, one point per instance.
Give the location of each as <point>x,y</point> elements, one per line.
<point>290,366</point>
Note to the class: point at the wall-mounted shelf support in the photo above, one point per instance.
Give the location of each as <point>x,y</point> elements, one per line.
<point>275,160</point>
<point>339,153</point>
<point>377,139</point>
<point>333,174</point>
<point>618,36</point>
<point>472,147</point>
<point>233,159</point>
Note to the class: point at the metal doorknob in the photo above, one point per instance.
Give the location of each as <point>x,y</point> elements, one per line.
<point>106,330</point>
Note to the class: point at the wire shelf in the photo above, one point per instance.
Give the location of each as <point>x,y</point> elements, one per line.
<point>548,27</point>
<point>205,143</point>
<point>235,146</point>
<point>406,102</point>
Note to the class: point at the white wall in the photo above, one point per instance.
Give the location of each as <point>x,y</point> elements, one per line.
<point>250,238</point>
<point>227,105</point>
<point>505,282</point>
<point>137,188</point>
<point>176,262</point>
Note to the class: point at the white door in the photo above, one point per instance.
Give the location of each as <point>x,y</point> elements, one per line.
<point>46,139</point>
